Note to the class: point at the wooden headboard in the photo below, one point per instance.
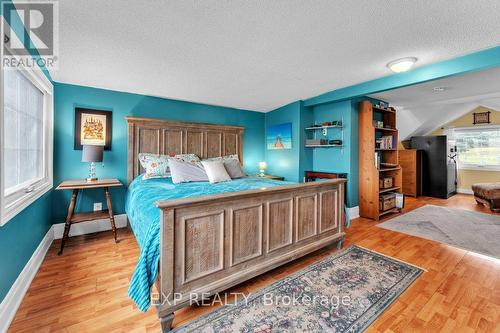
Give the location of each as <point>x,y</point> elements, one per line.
<point>146,135</point>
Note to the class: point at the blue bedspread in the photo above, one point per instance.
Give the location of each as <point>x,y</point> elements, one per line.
<point>145,220</point>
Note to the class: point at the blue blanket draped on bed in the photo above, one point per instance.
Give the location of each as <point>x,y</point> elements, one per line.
<point>145,220</point>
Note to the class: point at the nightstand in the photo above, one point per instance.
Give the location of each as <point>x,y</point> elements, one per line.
<point>270,177</point>
<point>76,186</point>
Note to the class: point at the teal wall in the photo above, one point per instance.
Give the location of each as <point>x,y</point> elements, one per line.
<point>343,159</point>
<point>293,163</point>
<point>20,237</point>
<point>290,163</point>
<point>67,163</point>
<point>285,162</point>
<point>306,154</point>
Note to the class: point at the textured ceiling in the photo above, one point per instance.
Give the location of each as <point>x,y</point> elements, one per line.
<point>421,110</point>
<point>259,55</point>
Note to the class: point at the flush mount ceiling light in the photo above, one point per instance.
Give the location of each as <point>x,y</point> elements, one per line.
<point>402,65</point>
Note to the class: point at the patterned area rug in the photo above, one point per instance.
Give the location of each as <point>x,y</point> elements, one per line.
<point>342,293</point>
<point>477,232</point>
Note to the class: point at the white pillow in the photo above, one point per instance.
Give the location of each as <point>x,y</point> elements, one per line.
<point>232,165</point>
<point>216,171</point>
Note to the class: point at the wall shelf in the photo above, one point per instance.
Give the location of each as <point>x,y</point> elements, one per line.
<point>321,133</point>
<point>323,146</point>
<point>322,127</point>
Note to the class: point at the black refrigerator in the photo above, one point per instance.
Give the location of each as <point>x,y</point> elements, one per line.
<point>438,165</point>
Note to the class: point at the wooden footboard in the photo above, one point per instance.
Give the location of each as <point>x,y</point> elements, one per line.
<point>211,243</point>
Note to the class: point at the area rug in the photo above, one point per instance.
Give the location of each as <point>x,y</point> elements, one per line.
<point>342,293</point>
<point>476,232</point>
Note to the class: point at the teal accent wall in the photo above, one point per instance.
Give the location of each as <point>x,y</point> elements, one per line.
<point>20,237</point>
<point>293,163</point>
<point>284,162</point>
<point>67,161</point>
<point>336,159</point>
<point>290,163</point>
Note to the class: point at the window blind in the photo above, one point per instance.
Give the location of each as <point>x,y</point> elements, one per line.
<point>24,134</point>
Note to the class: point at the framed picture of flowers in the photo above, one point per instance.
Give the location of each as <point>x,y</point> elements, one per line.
<point>92,127</point>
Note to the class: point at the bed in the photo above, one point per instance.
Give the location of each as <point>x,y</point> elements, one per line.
<point>200,238</point>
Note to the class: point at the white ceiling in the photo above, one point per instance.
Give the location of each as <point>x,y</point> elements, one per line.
<point>421,110</point>
<point>261,54</point>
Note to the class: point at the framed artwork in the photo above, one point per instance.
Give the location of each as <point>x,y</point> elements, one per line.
<point>279,136</point>
<point>481,118</point>
<point>92,127</point>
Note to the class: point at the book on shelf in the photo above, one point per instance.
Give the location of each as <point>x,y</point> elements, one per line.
<point>385,142</point>
<point>377,160</point>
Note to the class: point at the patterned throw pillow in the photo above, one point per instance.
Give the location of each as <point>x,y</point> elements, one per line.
<point>224,158</point>
<point>156,166</point>
<point>191,158</point>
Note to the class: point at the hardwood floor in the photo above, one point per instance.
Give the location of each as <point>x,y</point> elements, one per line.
<point>85,290</point>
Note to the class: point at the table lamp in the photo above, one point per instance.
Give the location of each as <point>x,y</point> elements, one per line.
<point>262,168</point>
<point>92,154</point>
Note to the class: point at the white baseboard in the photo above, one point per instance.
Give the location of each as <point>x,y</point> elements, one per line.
<point>353,212</point>
<point>90,227</point>
<point>14,297</point>
<point>465,191</point>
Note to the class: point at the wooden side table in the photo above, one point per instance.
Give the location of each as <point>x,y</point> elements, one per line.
<point>71,218</point>
<point>266,176</point>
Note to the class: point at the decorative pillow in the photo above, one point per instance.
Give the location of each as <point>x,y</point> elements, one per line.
<point>216,171</point>
<point>233,168</point>
<point>224,158</point>
<point>156,166</point>
<point>232,165</point>
<point>183,171</point>
<point>187,157</point>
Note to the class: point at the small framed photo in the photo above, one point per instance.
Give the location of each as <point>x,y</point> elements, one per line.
<point>92,127</point>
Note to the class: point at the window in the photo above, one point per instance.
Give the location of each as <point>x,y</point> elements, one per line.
<point>26,154</point>
<point>478,148</point>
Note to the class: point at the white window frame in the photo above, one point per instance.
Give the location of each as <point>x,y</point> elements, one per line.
<point>13,204</point>
<point>474,167</point>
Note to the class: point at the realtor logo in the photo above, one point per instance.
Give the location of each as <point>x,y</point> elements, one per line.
<point>39,36</point>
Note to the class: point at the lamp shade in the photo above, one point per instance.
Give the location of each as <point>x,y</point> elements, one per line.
<point>92,153</point>
<point>262,165</point>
